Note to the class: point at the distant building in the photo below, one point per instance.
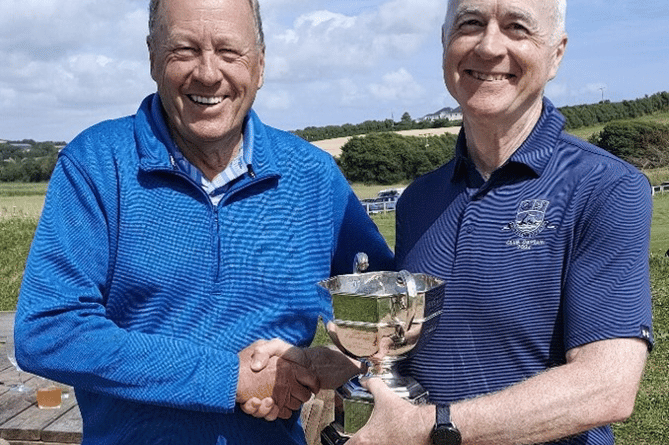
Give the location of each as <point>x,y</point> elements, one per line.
<point>444,113</point>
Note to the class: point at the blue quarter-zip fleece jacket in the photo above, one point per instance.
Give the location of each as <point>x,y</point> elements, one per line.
<point>140,293</point>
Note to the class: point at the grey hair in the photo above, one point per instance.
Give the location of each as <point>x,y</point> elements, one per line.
<point>154,21</point>
<point>559,22</point>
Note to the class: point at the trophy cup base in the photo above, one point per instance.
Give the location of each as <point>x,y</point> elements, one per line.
<point>354,406</point>
<point>331,436</point>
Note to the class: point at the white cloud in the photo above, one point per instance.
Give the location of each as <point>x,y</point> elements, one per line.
<point>565,93</point>
<point>328,44</point>
<point>276,100</point>
<point>350,93</point>
<point>70,63</point>
<point>411,16</point>
<point>64,59</point>
<point>398,86</point>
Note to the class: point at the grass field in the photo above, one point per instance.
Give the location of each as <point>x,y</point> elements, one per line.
<point>659,232</point>
<point>21,200</point>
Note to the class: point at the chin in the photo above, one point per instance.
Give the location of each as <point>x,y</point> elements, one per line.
<point>487,110</point>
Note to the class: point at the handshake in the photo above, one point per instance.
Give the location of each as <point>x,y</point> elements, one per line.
<point>276,378</point>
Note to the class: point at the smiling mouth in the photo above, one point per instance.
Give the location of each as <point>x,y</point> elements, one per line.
<point>484,77</point>
<point>208,101</point>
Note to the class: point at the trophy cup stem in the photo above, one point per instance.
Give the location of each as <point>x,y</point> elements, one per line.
<point>386,370</point>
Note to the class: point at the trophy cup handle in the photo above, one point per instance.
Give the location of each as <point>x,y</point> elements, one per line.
<point>405,279</point>
<point>360,263</point>
<point>406,304</point>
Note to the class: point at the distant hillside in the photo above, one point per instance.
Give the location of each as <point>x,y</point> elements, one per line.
<point>435,120</point>
<point>27,160</point>
<point>577,116</point>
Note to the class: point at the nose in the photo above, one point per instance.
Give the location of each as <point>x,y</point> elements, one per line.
<point>491,44</point>
<point>208,71</point>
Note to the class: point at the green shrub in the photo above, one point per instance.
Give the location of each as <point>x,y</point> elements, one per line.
<point>388,158</point>
<point>643,144</point>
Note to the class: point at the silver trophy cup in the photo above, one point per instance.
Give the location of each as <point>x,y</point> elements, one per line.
<point>379,318</point>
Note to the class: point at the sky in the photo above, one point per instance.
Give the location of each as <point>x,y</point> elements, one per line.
<point>68,64</point>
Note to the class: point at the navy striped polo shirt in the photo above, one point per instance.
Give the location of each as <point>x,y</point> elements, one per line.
<point>549,254</point>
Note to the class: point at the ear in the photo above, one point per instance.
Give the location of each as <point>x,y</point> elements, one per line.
<point>261,68</point>
<point>152,57</point>
<point>560,50</point>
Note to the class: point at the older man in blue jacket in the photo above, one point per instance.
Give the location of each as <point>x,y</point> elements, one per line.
<point>174,239</point>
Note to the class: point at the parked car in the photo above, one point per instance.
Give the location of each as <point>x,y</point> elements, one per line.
<point>385,201</point>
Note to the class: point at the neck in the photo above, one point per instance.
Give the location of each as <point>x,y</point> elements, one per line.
<point>491,141</point>
<point>210,159</point>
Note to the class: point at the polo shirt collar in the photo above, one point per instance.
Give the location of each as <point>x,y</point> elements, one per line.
<point>531,158</point>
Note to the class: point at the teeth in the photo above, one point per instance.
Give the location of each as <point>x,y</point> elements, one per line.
<point>206,100</point>
<point>489,77</point>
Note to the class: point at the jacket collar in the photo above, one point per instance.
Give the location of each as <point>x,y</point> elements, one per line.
<point>153,137</point>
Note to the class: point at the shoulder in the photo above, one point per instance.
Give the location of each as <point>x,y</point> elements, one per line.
<point>97,140</point>
<point>430,184</point>
<point>99,151</point>
<point>593,155</point>
<point>290,151</point>
<point>601,179</point>
<point>588,160</point>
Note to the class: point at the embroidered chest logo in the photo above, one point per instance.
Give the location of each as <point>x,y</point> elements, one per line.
<point>529,223</point>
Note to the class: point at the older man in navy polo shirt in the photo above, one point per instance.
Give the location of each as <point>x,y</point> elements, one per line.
<point>543,240</point>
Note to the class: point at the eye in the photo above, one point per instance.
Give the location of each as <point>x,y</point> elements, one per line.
<point>185,51</point>
<point>518,28</point>
<point>471,22</point>
<point>228,52</point>
<point>470,25</point>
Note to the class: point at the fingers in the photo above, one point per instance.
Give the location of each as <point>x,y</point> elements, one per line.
<point>263,409</point>
<point>275,379</point>
<point>264,350</point>
<point>260,355</point>
<point>294,382</point>
<point>308,380</point>
<point>375,385</point>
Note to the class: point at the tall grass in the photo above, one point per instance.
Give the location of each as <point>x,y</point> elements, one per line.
<point>657,176</point>
<point>21,199</point>
<point>16,233</point>
<point>649,424</point>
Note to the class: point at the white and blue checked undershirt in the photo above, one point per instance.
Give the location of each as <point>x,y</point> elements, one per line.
<point>238,166</point>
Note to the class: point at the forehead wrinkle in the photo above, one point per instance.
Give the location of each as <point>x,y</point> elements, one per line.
<point>202,24</point>
<point>512,13</point>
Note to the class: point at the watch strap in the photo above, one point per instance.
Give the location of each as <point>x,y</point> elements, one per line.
<point>443,414</point>
<point>445,432</point>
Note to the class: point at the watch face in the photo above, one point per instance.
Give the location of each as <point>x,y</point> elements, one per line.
<point>445,435</point>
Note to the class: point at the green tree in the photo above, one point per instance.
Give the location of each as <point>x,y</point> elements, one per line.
<point>388,158</point>
<point>643,144</point>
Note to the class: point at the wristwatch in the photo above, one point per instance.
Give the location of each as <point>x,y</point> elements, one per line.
<point>445,432</point>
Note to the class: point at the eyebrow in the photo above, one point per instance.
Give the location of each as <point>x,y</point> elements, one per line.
<point>523,16</point>
<point>463,11</point>
<point>515,14</point>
